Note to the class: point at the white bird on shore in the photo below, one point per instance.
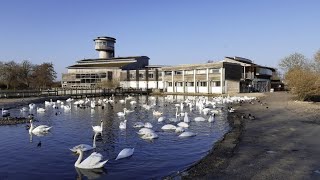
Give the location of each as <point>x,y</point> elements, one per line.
<point>126,152</point>
<point>91,162</point>
<point>5,112</point>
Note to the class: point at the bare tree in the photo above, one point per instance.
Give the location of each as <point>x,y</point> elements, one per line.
<point>43,75</point>
<point>9,74</point>
<point>25,72</point>
<point>294,60</point>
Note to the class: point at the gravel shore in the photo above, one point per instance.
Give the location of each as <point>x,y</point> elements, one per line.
<point>282,142</point>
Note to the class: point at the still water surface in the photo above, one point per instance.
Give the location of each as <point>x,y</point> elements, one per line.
<point>20,158</point>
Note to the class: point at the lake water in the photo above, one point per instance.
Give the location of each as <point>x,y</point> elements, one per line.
<point>20,158</point>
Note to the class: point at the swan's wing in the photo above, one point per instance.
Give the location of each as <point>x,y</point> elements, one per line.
<point>92,160</point>
<point>96,128</point>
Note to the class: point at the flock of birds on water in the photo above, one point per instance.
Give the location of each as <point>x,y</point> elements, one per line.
<point>179,123</point>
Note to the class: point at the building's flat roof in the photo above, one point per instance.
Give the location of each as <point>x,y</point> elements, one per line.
<point>116,64</point>
<point>115,58</point>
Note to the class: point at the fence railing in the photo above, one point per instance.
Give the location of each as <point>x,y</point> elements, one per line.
<point>70,92</point>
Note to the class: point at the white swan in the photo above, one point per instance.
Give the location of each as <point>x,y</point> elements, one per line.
<point>187,134</point>
<point>126,152</point>
<point>169,127</point>
<point>123,125</point>
<point>98,128</point>
<point>179,129</point>
<point>148,125</point>
<point>32,106</point>
<point>23,109</point>
<point>186,118</point>
<point>199,119</point>
<point>150,136</point>
<point>157,113</point>
<point>38,129</point>
<point>91,162</point>
<point>144,131</point>
<point>121,114</point>
<point>40,109</point>
<point>85,147</point>
<point>160,119</point>
<point>211,119</point>
<point>183,124</point>
<point>5,112</point>
<point>138,125</point>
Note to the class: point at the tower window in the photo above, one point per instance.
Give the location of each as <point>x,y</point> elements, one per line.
<point>109,75</point>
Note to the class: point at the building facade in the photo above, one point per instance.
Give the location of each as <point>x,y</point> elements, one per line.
<point>231,75</point>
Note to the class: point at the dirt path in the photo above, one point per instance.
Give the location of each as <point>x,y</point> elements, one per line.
<point>283,142</point>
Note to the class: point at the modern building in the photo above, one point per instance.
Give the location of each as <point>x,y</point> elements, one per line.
<point>104,71</point>
<point>231,75</point>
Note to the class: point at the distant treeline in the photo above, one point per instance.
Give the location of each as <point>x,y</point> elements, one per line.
<point>26,75</point>
<point>302,75</point>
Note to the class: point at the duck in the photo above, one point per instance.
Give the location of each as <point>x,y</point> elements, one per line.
<point>124,153</point>
<point>91,162</point>
<point>123,125</point>
<point>38,129</point>
<point>85,147</point>
<point>98,128</point>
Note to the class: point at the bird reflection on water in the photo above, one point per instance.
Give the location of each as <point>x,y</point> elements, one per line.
<point>90,173</point>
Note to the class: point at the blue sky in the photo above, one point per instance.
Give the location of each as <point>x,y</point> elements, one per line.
<point>170,32</point>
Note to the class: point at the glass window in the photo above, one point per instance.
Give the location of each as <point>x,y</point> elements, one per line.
<point>109,75</point>
<point>178,72</point>
<point>214,71</point>
<point>203,84</point>
<point>150,76</point>
<point>170,84</point>
<point>167,73</point>
<point>201,71</point>
<point>140,75</point>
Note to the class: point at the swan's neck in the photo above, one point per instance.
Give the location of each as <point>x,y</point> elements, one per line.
<point>77,163</point>
<point>31,127</point>
<point>101,126</point>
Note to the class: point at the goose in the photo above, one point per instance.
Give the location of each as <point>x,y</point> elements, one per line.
<point>168,127</point>
<point>187,134</point>
<point>148,125</point>
<point>98,128</point>
<point>186,118</point>
<point>199,119</point>
<point>38,129</point>
<point>91,162</point>
<point>126,152</point>
<point>157,113</point>
<point>85,147</point>
<point>123,125</point>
